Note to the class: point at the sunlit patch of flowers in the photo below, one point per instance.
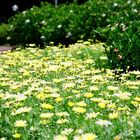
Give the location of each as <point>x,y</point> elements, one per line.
<point>86,136</point>
<point>20,123</point>
<point>57,94</point>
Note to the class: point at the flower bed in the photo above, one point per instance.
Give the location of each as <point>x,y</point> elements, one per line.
<point>61,94</point>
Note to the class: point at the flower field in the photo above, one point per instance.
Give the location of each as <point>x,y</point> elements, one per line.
<point>67,94</point>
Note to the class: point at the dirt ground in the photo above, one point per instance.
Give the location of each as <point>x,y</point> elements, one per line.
<point>6,48</point>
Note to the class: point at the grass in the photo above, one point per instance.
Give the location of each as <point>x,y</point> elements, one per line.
<point>67,93</point>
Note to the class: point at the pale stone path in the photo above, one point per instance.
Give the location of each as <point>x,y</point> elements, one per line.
<point>6,48</point>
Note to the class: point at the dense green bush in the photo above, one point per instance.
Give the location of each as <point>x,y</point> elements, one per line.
<point>26,25</point>
<point>63,24</point>
<point>123,47</point>
<point>68,1</point>
<point>122,35</point>
<point>68,24</point>
<point>4,28</point>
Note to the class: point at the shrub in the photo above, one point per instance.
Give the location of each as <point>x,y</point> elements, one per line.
<point>26,25</point>
<point>68,1</point>
<point>4,29</point>
<point>69,24</point>
<point>121,33</point>
<point>123,46</point>
<point>63,24</point>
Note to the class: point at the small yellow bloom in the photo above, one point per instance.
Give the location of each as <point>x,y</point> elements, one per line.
<point>21,110</point>
<point>103,122</point>
<point>122,108</point>
<point>93,88</point>
<point>88,95</point>
<point>41,96</point>
<point>113,115</point>
<point>135,103</point>
<point>71,104</point>
<point>79,109</point>
<point>1,95</point>
<point>123,95</point>
<point>32,45</point>
<point>102,105</point>
<point>77,137</point>
<point>53,68</point>
<point>26,73</point>
<point>86,72</point>
<point>111,106</point>
<point>58,99</point>
<point>62,114</point>
<point>117,137</point>
<point>89,136</point>
<point>16,135</point>
<point>133,87</point>
<point>137,99</point>
<point>96,78</point>
<point>86,136</point>
<point>97,100</point>
<point>57,80</point>
<point>89,61</point>
<point>46,115</point>
<point>69,85</point>
<point>103,57</point>
<point>60,137</point>
<point>46,106</point>
<point>75,91</point>
<point>112,88</point>
<point>81,103</point>
<point>67,131</point>
<point>61,121</point>
<point>20,123</point>
<point>92,115</point>
<point>44,121</point>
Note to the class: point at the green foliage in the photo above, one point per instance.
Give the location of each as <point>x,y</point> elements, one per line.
<point>63,24</point>
<point>70,1</point>
<point>4,28</point>
<point>69,24</point>
<point>41,25</point>
<point>123,46</point>
<point>26,25</point>
<point>121,33</point>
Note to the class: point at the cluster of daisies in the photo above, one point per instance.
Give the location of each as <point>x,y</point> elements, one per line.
<point>59,94</point>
